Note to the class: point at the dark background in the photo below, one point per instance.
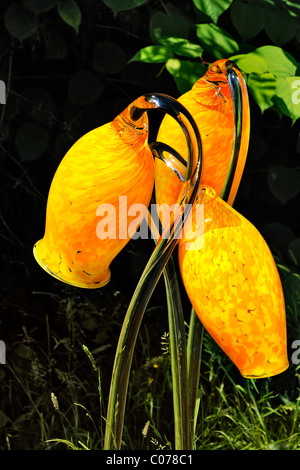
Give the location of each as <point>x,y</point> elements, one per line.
<point>61,85</point>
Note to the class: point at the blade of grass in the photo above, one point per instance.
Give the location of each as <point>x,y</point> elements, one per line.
<point>194,352</point>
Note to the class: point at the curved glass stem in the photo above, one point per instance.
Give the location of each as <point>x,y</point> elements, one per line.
<point>154,267</point>
<point>236,93</point>
<point>196,330</point>
<point>178,352</point>
<point>185,362</point>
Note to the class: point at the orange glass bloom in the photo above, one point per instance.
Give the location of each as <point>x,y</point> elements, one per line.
<point>111,161</point>
<point>210,102</point>
<point>233,284</point>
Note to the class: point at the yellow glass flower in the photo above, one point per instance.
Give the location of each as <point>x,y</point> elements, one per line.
<point>211,103</point>
<point>233,284</point>
<point>105,164</point>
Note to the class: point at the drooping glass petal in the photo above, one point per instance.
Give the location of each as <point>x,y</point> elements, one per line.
<point>233,283</point>
<point>87,224</point>
<point>213,103</point>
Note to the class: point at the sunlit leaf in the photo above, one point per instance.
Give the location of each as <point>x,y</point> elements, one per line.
<point>280,63</point>
<point>262,87</point>
<point>185,73</point>
<point>181,46</point>
<point>250,63</point>
<point>216,40</point>
<point>153,54</point>
<point>288,96</point>
<point>212,9</point>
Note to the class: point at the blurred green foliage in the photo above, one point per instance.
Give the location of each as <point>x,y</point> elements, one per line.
<point>71,65</point>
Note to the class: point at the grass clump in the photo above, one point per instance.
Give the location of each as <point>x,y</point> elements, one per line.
<point>55,385</point>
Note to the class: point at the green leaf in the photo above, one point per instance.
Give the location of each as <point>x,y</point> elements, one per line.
<point>20,22</point>
<point>213,9</point>
<point>40,6</point>
<point>216,40</point>
<point>123,5</point>
<point>283,182</point>
<point>280,26</point>
<point>250,63</point>
<point>262,87</point>
<point>153,54</point>
<point>288,97</point>
<point>109,58</point>
<point>181,46</point>
<point>247,18</point>
<point>185,73</point>
<point>172,24</point>
<point>70,13</point>
<point>280,63</point>
<point>31,141</point>
<point>85,87</point>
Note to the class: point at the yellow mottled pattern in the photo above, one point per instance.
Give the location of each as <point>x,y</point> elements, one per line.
<point>234,286</point>
<point>210,104</point>
<point>110,161</point>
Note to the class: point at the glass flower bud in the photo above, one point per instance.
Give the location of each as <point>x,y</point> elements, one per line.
<point>233,284</point>
<point>213,106</point>
<point>105,172</point>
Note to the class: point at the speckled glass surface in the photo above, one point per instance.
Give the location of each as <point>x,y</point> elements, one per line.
<point>108,162</point>
<point>211,104</point>
<point>234,286</point>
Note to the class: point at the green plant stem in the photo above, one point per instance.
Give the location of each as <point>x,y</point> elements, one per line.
<point>194,354</point>
<point>153,269</point>
<point>182,424</point>
<point>127,341</point>
<point>182,427</point>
